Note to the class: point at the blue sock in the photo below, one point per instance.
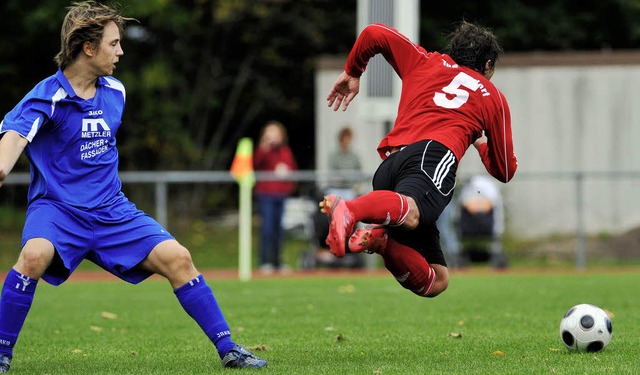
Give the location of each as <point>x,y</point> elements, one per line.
<point>197,299</point>
<point>15,302</point>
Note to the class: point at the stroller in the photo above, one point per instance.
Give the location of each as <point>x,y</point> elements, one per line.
<point>481,222</point>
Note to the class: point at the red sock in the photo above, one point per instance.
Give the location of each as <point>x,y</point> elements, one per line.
<point>409,267</point>
<point>380,207</point>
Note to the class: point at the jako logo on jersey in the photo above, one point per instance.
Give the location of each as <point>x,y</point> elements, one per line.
<point>90,128</point>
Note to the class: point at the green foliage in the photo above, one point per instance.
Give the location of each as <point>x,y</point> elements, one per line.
<point>201,74</point>
<point>214,77</point>
<point>492,323</point>
<point>540,25</point>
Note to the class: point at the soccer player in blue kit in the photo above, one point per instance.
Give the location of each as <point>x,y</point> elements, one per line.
<point>66,126</point>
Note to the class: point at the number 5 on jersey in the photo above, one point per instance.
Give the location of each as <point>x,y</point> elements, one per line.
<point>455,88</point>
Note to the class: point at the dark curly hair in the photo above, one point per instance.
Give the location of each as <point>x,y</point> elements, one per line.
<point>472,46</point>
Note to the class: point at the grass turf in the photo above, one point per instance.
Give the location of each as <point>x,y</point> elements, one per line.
<point>486,323</point>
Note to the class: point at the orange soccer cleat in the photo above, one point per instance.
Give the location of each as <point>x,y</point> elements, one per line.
<point>341,223</point>
<point>370,239</point>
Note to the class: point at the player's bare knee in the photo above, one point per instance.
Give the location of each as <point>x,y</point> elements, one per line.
<point>181,259</point>
<point>437,289</point>
<point>441,282</point>
<point>34,260</point>
<point>412,221</point>
<point>413,216</point>
<point>171,260</point>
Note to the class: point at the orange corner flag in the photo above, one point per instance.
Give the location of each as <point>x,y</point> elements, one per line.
<point>242,165</point>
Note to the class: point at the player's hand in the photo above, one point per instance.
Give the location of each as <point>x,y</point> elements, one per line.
<point>343,91</point>
<point>3,176</point>
<point>480,141</point>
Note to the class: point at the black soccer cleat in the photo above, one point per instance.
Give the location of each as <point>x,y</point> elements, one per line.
<point>239,357</point>
<point>5,363</point>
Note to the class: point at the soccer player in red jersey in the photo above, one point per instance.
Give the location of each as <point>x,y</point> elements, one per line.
<point>447,104</point>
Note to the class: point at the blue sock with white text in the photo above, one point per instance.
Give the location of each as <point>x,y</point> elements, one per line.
<point>197,299</point>
<point>15,301</point>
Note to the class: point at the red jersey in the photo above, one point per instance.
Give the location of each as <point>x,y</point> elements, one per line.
<point>440,100</point>
<point>272,160</point>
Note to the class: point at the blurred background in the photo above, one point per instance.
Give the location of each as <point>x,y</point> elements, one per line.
<point>202,74</point>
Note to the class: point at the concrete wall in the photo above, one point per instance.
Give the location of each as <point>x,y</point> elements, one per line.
<point>570,113</point>
<point>368,129</point>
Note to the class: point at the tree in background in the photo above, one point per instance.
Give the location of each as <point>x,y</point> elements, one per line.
<point>549,25</point>
<point>201,74</point>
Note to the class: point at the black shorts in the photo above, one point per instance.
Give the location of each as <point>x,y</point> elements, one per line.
<point>426,172</point>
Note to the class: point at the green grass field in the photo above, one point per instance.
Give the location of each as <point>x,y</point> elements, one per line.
<point>486,323</point>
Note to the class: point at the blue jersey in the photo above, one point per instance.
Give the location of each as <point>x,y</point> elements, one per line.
<point>72,145</point>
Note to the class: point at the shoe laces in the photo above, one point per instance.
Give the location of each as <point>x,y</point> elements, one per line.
<point>240,356</point>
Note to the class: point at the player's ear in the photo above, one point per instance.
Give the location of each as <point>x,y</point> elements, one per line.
<point>488,65</point>
<point>88,49</point>
<point>489,69</point>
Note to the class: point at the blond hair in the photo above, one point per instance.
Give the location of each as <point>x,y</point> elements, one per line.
<point>85,22</point>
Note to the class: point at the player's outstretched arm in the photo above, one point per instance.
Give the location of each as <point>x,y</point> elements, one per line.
<point>11,146</point>
<point>343,91</point>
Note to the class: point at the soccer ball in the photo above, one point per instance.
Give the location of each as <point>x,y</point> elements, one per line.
<point>585,328</point>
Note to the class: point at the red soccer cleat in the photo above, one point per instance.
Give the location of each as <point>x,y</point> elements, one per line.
<point>341,223</point>
<point>370,239</point>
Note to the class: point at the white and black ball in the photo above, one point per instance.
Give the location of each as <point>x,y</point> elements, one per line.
<point>586,328</point>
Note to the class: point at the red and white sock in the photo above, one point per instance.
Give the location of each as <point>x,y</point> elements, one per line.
<point>384,207</point>
<point>409,268</point>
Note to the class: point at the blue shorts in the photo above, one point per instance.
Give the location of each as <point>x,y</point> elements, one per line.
<point>117,237</point>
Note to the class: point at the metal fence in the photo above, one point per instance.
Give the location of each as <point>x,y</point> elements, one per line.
<point>160,180</point>
<point>582,197</point>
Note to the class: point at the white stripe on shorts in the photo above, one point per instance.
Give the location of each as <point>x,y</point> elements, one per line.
<point>443,168</point>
